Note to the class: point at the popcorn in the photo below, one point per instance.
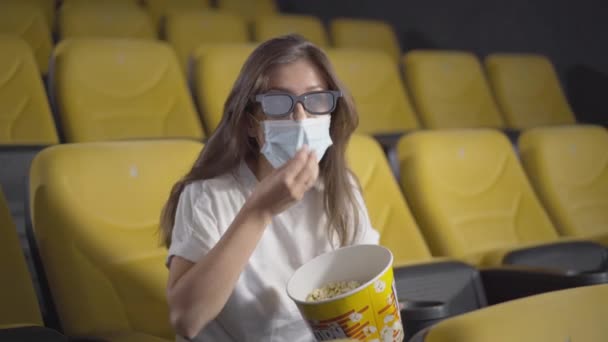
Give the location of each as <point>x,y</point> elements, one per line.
<point>379,286</point>
<point>332,289</point>
<point>370,329</point>
<point>387,334</point>
<point>355,317</point>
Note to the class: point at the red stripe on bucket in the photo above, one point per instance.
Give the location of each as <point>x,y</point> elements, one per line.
<point>384,309</point>
<point>359,329</point>
<point>337,318</point>
<point>351,329</point>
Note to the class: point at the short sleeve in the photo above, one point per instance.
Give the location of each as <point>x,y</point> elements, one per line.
<point>195,229</point>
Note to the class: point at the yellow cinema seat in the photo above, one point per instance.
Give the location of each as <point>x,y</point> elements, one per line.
<point>311,28</point>
<point>449,90</point>
<point>25,116</point>
<point>567,167</point>
<point>365,34</point>
<point>527,90</point>
<point>470,196</point>
<point>47,7</point>
<point>160,9</point>
<point>388,211</point>
<point>19,304</point>
<point>374,82</point>
<point>186,31</point>
<point>105,20</point>
<point>215,69</point>
<point>569,315</point>
<point>249,9</point>
<point>27,20</point>
<point>121,89</point>
<point>95,211</point>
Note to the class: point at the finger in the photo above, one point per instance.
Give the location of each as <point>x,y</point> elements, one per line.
<point>295,164</point>
<point>315,167</point>
<point>309,172</point>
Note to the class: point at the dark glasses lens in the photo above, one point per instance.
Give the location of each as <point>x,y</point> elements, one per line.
<point>318,102</point>
<point>277,104</point>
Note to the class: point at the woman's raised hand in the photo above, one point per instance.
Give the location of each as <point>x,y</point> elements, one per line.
<point>285,185</point>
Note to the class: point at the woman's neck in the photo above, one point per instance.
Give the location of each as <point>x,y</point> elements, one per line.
<point>260,167</point>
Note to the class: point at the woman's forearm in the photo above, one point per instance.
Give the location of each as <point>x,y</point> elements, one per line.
<point>201,292</point>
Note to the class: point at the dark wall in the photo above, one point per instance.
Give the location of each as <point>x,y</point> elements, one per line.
<point>573,34</point>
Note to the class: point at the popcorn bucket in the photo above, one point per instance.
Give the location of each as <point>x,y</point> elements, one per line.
<point>368,313</point>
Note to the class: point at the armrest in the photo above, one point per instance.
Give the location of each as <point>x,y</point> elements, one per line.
<point>512,134</point>
<point>602,239</point>
<point>31,333</point>
<point>418,315</point>
<point>568,255</point>
<point>512,282</point>
<point>574,254</point>
<point>389,142</point>
<point>121,337</point>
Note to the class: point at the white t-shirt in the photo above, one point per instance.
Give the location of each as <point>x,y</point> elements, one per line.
<point>258,309</point>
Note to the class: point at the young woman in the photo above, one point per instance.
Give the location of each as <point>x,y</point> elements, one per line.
<point>270,191</point>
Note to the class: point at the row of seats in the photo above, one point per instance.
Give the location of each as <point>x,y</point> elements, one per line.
<point>448,89</point>
<point>473,199</point>
<point>157,9</point>
<point>20,315</point>
<point>568,314</point>
<point>34,20</point>
<point>94,211</point>
<point>117,89</point>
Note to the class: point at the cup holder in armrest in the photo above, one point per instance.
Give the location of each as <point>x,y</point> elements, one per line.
<point>424,310</point>
<point>417,315</point>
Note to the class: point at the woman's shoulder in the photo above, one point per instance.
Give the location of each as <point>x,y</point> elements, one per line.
<point>222,182</point>
<point>219,184</point>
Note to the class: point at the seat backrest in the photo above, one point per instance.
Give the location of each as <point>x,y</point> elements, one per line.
<point>310,27</point>
<point>104,20</point>
<point>215,69</point>
<point>95,211</point>
<point>47,7</point>
<point>527,90</point>
<point>25,116</point>
<point>567,166</point>
<point>250,9</point>
<point>568,315</point>
<point>388,211</point>
<point>27,20</point>
<point>159,9</point>
<point>374,82</point>
<point>365,34</point>
<point>113,2</point>
<point>449,90</point>
<point>121,89</point>
<point>17,295</point>
<point>186,31</point>
<point>468,192</point>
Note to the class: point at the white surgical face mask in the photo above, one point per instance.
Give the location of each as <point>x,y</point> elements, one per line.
<point>283,138</point>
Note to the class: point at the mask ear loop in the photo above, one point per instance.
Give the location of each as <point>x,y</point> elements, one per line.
<point>253,121</point>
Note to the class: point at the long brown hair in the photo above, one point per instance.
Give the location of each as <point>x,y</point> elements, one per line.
<point>231,143</point>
